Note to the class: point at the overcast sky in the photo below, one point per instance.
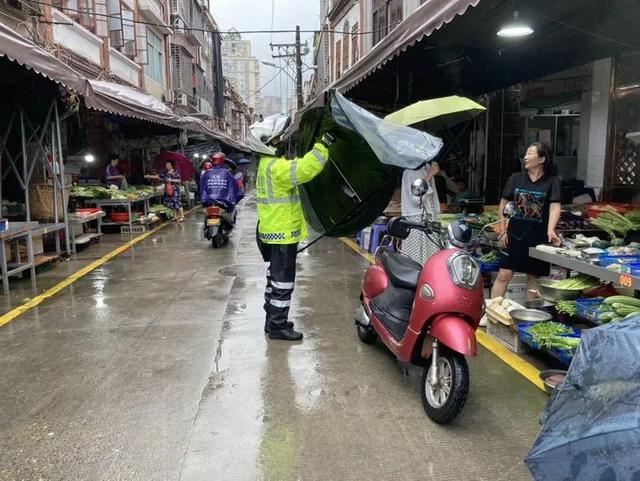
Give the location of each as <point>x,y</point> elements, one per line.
<point>256,15</point>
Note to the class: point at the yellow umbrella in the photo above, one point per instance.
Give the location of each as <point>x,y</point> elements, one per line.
<point>438,114</point>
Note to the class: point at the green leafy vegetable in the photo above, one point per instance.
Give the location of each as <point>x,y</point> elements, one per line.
<point>567,307</point>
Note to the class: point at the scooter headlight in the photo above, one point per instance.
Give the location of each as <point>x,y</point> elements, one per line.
<point>464,270</point>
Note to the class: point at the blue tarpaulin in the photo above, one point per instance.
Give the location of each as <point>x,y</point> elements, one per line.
<point>591,427</point>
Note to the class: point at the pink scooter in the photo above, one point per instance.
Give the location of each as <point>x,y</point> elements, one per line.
<point>427,315</point>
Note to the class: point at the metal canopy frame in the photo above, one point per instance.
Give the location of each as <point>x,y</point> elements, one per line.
<point>19,123</point>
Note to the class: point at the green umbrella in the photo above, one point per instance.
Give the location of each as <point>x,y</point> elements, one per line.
<point>438,114</point>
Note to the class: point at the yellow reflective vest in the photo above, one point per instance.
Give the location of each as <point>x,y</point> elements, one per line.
<point>280,216</point>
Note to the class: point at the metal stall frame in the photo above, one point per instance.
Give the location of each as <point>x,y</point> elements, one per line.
<point>55,169</point>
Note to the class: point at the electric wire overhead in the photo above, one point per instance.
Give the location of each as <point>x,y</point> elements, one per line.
<point>186,29</point>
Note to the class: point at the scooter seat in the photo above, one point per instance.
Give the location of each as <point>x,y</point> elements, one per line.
<point>403,272</point>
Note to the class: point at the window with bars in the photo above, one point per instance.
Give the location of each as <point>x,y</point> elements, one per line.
<point>345,46</point>
<point>82,11</point>
<point>155,53</point>
<point>355,44</point>
<point>338,59</point>
<point>387,15</point>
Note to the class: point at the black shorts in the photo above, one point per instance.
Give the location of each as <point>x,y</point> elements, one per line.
<point>517,259</point>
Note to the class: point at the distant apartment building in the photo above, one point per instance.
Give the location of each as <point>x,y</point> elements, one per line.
<point>241,68</point>
<point>270,105</point>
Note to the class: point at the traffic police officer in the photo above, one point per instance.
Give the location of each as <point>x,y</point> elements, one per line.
<point>281,226</point>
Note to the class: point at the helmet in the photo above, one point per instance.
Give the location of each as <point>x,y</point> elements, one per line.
<point>218,158</point>
<point>207,165</point>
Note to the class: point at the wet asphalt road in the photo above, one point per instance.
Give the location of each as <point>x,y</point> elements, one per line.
<point>155,367</point>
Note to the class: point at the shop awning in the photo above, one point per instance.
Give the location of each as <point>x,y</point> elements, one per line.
<point>100,95</point>
<point>128,102</point>
<point>450,47</point>
<point>24,52</point>
<point>429,17</point>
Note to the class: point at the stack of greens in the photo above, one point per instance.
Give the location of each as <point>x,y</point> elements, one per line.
<point>567,307</point>
<point>616,224</point>
<point>90,192</point>
<point>162,210</point>
<point>579,283</point>
<point>550,335</point>
<point>98,192</point>
<point>489,257</point>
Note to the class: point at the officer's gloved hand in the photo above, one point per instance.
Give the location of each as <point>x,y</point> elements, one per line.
<point>327,139</point>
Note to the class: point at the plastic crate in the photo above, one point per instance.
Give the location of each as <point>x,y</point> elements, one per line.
<point>588,309</point>
<point>506,336</point>
<point>632,269</point>
<point>135,229</point>
<point>562,355</point>
<point>486,267</point>
<point>608,260</point>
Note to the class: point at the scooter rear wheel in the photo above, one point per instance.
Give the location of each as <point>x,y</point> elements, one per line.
<point>444,401</point>
<point>217,241</point>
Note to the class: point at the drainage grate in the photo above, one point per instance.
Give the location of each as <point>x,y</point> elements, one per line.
<point>244,270</point>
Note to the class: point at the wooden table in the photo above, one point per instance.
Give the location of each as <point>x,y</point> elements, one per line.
<point>17,231</point>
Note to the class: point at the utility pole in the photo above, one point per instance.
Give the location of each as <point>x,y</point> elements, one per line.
<point>299,69</point>
<point>293,52</point>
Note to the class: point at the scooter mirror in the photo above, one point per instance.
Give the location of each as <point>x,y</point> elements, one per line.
<point>419,187</point>
<point>510,210</point>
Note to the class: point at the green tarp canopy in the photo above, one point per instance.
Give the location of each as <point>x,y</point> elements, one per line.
<point>364,164</point>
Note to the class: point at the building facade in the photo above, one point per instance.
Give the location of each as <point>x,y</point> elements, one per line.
<point>349,29</point>
<point>169,49</point>
<point>241,68</point>
<point>237,116</point>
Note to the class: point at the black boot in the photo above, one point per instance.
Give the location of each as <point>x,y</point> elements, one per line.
<point>286,335</point>
<point>266,326</point>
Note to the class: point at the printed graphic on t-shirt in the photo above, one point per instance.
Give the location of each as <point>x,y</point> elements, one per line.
<point>530,204</point>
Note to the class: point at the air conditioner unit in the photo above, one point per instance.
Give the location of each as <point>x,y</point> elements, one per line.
<point>182,99</point>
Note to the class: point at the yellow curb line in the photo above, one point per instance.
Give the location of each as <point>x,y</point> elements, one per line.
<point>515,362</point>
<point>52,291</point>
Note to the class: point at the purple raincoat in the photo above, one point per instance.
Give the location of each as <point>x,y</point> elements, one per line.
<point>219,185</point>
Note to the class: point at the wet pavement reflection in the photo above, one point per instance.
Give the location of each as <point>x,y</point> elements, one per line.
<point>155,367</point>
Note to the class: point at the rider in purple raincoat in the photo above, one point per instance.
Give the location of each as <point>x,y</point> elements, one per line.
<point>219,186</point>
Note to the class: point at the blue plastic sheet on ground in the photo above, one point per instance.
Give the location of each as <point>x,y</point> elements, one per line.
<point>591,426</point>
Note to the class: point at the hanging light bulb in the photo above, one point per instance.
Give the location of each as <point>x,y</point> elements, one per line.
<point>515,28</point>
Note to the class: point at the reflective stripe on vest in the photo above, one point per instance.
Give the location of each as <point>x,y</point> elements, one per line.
<point>270,179</point>
<point>278,236</point>
<point>279,200</point>
<point>318,155</point>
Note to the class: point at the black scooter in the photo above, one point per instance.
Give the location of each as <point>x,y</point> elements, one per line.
<point>218,223</point>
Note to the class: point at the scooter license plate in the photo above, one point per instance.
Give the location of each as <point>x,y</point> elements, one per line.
<point>211,222</point>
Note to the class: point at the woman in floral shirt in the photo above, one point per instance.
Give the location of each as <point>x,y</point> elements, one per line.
<point>172,197</point>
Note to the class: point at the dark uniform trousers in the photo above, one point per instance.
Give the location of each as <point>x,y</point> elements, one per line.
<point>281,276</point>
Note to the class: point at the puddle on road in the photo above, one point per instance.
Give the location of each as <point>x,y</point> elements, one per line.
<point>243,270</point>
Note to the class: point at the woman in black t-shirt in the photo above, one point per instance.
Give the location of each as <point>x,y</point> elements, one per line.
<point>537,194</point>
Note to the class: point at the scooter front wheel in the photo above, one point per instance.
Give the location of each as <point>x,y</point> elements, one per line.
<point>366,334</point>
<point>443,401</point>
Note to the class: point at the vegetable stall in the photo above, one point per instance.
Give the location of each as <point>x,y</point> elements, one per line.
<point>123,208</point>
<point>596,281</point>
